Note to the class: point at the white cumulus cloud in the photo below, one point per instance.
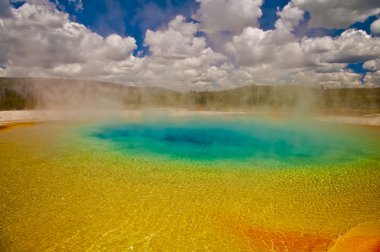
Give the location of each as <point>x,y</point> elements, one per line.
<point>375,27</point>
<point>180,59</point>
<point>37,39</point>
<point>178,41</point>
<point>40,40</point>
<point>228,15</point>
<point>351,46</point>
<point>338,13</point>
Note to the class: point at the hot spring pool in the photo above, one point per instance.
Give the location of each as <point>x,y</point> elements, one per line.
<point>189,183</point>
<point>254,141</point>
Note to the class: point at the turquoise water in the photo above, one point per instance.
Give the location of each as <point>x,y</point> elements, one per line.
<point>239,140</point>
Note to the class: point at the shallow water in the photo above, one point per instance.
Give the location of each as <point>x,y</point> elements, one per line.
<point>175,184</point>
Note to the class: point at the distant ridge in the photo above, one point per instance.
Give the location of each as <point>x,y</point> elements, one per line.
<point>31,93</point>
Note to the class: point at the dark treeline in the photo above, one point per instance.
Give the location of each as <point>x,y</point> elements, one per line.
<point>28,93</point>
<point>13,100</point>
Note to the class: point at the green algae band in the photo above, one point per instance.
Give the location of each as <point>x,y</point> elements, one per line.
<point>237,140</point>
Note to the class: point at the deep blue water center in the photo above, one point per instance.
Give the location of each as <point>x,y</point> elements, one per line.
<point>223,139</point>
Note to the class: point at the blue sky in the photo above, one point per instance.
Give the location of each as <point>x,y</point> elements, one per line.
<point>134,17</point>
<point>213,43</point>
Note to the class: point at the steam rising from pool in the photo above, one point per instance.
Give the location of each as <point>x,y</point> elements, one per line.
<point>242,140</point>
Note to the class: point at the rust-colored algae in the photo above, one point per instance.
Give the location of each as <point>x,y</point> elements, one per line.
<point>10,125</point>
<point>364,237</point>
<point>267,240</point>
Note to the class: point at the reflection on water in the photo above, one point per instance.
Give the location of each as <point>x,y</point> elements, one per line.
<point>62,189</point>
